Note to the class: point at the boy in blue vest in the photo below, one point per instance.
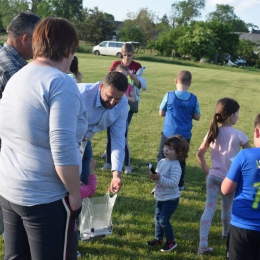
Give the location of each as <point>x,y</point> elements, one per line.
<point>179,107</point>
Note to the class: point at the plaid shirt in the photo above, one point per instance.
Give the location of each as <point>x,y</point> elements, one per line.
<point>10,62</point>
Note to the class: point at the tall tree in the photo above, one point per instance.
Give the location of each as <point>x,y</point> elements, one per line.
<point>145,20</point>
<point>183,12</point>
<point>130,32</point>
<point>94,26</point>
<point>226,14</point>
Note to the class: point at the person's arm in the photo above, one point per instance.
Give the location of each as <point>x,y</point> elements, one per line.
<point>90,188</point>
<point>114,65</point>
<point>246,145</point>
<point>161,113</point>
<point>228,186</point>
<point>201,159</point>
<point>131,97</point>
<point>163,105</point>
<point>136,80</point>
<point>196,117</point>
<point>117,133</point>
<point>69,175</point>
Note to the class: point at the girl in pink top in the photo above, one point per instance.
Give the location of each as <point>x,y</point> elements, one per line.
<point>225,142</point>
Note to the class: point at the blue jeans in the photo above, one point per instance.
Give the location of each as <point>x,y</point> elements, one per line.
<point>163,213</point>
<point>88,154</point>
<point>182,163</point>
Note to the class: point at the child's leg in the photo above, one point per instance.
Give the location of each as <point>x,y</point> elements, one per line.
<point>226,208</point>
<point>129,118</point>
<point>167,209</point>
<point>127,150</point>
<point>108,149</point>
<point>160,152</point>
<point>158,229</point>
<point>213,190</point>
<point>86,162</point>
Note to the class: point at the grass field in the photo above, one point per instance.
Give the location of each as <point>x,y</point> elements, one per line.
<point>133,213</point>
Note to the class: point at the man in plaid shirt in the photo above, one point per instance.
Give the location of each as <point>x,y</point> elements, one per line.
<point>18,47</point>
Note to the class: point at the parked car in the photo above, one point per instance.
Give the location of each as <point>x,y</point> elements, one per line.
<point>111,48</point>
<point>240,62</point>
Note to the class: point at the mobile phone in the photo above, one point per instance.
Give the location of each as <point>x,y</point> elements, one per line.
<point>150,166</point>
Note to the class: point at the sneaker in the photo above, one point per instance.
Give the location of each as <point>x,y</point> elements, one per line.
<point>202,251</point>
<point>106,166</point>
<point>104,155</point>
<point>169,246</point>
<point>152,192</point>
<point>128,169</point>
<point>154,242</point>
<point>78,254</point>
<point>181,188</point>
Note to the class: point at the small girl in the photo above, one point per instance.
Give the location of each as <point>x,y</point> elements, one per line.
<point>166,193</point>
<point>131,98</point>
<point>225,142</point>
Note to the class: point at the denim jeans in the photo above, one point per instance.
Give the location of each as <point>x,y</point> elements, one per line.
<point>88,154</point>
<point>163,213</point>
<point>182,163</point>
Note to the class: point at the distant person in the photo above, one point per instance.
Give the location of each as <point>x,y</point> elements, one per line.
<point>225,142</point>
<point>131,98</point>
<point>133,66</point>
<point>243,178</point>
<point>166,193</point>
<point>18,46</point>
<point>42,120</point>
<point>13,55</point>
<point>74,70</point>
<point>106,106</point>
<point>179,107</point>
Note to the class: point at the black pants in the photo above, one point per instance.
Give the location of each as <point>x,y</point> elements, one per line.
<point>38,232</point>
<point>244,244</point>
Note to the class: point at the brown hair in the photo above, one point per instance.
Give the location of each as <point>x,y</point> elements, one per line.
<point>122,67</point>
<point>225,107</point>
<point>257,121</point>
<point>74,66</point>
<point>184,77</point>
<point>127,47</point>
<point>179,144</point>
<point>54,38</point>
<point>116,79</point>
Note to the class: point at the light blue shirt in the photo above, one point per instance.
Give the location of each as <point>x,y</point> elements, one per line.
<point>100,118</point>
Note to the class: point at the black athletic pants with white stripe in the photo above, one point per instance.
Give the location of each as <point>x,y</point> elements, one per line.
<point>40,232</point>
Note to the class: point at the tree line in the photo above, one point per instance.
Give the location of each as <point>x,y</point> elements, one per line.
<point>180,34</point>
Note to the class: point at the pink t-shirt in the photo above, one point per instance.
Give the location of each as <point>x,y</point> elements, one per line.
<point>227,145</point>
<point>129,89</point>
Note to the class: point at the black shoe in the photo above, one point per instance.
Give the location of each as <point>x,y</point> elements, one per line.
<point>154,242</point>
<point>169,246</point>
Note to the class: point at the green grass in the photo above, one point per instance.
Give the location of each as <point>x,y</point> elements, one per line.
<point>133,215</point>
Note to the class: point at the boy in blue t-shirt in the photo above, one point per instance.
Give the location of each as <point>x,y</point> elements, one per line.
<point>179,107</point>
<point>243,178</point>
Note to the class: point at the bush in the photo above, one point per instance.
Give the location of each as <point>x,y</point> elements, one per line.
<point>84,49</point>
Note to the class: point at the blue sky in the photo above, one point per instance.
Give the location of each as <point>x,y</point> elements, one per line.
<point>246,10</point>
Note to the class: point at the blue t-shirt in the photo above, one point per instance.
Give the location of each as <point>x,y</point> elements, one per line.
<point>179,107</point>
<point>245,170</point>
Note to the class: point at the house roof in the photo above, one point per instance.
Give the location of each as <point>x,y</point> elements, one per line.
<point>253,37</point>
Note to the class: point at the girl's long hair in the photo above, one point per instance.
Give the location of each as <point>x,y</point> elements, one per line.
<point>225,107</point>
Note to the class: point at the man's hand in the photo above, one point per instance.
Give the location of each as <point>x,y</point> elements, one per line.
<point>115,185</point>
